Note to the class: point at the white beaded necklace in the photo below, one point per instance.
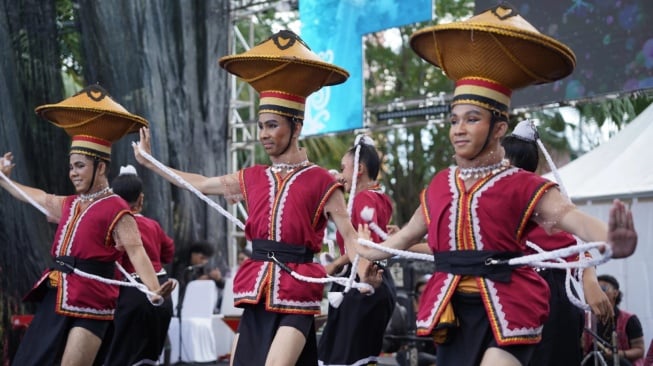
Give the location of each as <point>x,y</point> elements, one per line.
<point>280,167</point>
<point>478,172</point>
<point>91,197</point>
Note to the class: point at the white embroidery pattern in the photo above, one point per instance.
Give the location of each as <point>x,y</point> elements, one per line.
<point>251,294</point>
<point>437,305</point>
<point>65,305</point>
<point>283,199</point>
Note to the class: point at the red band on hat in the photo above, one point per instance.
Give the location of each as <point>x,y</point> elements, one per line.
<point>92,146</point>
<point>485,83</point>
<point>285,104</point>
<point>282,95</point>
<point>92,139</point>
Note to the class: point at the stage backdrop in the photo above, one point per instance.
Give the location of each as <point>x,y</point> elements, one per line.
<point>612,40</point>
<point>334,30</point>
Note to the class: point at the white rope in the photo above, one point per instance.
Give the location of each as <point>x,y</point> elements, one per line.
<point>331,247</point>
<point>398,252</point>
<point>570,281</point>
<point>343,281</point>
<point>189,187</point>
<point>576,282</point>
<point>540,259</point>
<point>25,195</point>
<point>141,287</point>
<point>132,282</point>
<point>553,168</point>
<point>367,214</point>
<point>533,260</point>
<point>350,206</point>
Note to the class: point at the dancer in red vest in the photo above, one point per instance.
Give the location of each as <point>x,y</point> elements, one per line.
<point>95,229</point>
<point>140,331</point>
<point>288,205</point>
<point>480,210</point>
<point>354,331</point>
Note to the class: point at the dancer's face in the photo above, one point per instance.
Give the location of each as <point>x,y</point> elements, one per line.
<point>346,171</point>
<point>468,130</point>
<point>80,172</point>
<point>273,133</point>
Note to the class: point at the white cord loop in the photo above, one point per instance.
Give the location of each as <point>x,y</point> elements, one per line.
<point>132,282</point>
<point>401,253</point>
<point>189,187</point>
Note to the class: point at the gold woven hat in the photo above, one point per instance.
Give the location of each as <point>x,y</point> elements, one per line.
<point>285,71</point>
<point>493,53</point>
<point>93,120</point>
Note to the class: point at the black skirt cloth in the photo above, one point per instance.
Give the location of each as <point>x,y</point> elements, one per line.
<point>563,329</point>
<point>353,334</point>
<point>45,339</point>
<point>257,329</point>
<point>468,342</point>
<point>139,329</point>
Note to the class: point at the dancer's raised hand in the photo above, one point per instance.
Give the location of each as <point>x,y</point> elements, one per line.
<point>621,231</point>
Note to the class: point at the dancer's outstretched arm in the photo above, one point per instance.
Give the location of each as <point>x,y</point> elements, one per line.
<point>227,185</point>
<point>556,211</point>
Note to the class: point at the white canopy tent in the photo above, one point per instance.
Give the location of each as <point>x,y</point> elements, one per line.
<point>622,168</point>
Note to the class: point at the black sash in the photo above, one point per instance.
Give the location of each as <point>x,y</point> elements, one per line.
<point>67,264</point>
<point>479,263</point>
<point>280,253</point>
<point>264,250</point>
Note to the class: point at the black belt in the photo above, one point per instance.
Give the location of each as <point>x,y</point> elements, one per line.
<point>280,253</point>
<point>479,263</point>
<point>67,264</point>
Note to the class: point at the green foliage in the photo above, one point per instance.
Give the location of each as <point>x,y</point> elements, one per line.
<point>70,45</point>
<point>594,116</point>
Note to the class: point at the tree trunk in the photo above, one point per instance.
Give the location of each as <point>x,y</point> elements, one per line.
<point>159,60</point>
<point>30,75</point>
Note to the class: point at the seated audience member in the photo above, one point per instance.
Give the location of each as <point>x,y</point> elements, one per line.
<point>630,337</point>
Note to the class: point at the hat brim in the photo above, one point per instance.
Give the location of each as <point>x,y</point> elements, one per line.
<point>270,72</point>
<point>514,57</point>
<point>111,125</point>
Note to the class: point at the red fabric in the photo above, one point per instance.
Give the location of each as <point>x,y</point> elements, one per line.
<point>382,206</point>
<point>622,337</point>
<point>159,247</point>
<point>494,214</point>
<point>87,235</point>
<point>291,211</point>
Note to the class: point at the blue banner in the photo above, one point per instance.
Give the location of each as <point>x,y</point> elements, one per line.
<point>334,29</point>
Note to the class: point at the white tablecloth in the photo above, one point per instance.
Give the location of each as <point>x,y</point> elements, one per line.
<point>198,347</point>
